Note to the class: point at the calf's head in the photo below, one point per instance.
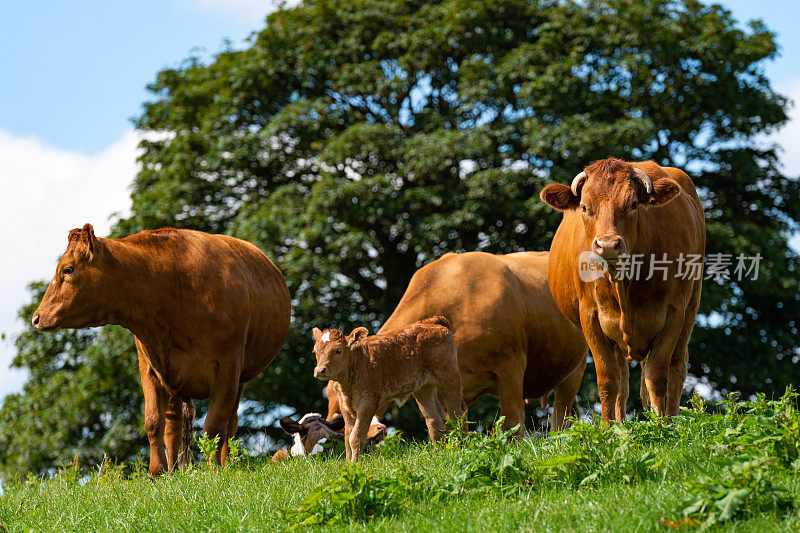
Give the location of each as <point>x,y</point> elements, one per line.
<point>332,350</point>
<point>611,194</point>
<point>311,432</point>
<point>73,298</point>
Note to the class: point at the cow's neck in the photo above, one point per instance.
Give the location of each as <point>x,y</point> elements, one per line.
<point>138,284</point>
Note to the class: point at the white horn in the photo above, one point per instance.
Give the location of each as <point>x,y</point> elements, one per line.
<point>576,182</point>
<point>644,178</point>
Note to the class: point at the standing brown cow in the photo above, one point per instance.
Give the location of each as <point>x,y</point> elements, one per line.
<point>617,210</point>
<point>209,313</point>
<point>511,339</point>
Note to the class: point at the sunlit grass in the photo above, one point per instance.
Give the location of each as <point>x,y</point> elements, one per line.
<point>251,495</point>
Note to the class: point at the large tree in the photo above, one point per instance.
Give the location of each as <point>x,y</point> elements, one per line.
<point>356,141</point>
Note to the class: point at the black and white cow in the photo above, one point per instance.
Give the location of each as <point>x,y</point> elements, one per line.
<point>313,431</point>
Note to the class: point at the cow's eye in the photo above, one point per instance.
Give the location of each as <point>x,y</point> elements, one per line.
<point>66,271</point>
<point>633,205</point>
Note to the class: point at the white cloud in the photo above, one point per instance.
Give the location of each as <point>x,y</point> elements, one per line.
<point>45,192</point>
<point>789,139</point>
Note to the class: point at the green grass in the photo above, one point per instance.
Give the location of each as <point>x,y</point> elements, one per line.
<point>624,478</point>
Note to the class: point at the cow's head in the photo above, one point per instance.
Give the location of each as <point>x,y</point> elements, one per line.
<point>71,299</point>
<point>610,195</point>
<point>332,350</point>
<point>311,432</point>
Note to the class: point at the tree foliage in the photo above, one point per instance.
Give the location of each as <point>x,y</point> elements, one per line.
<point>356,141</point>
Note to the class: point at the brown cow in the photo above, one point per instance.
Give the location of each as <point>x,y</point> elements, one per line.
<point>617,209</point>
<point>511,339</point>
<point>372,371</point>
<point>209,313</point>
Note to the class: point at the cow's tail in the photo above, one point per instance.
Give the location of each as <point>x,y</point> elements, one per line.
<point>185,456</point>
<point>440,320</point>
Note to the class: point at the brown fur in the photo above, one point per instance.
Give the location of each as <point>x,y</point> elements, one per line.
<point>372,371</point>
<point>645,320</point>
<point>209,313</point>
<point>511,339</point>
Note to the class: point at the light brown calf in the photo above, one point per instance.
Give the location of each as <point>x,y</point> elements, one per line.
<point>372,371</point>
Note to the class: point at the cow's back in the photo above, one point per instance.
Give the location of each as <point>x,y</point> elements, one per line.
<point>216,291</point>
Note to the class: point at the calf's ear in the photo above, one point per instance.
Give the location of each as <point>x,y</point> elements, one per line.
<point>559,196</point>
<point>290,426</point>
<point>336,423</point>
<point>356,335</point>
<point>317,334</point>
<point>664,191</point>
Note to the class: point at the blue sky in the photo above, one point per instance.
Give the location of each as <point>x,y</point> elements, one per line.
<point>74,73</point>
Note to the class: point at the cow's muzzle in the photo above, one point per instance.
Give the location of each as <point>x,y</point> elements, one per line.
<point>321,372</point>
<point>42,324</point>
<point>608,247</point>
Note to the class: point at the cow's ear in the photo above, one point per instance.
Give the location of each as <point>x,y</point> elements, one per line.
<point>336,423</point>
<point>87,242</point>
<point>317,334</point>
<point>290,426</point>
<point>356,335</point>
<point>664,191</point>
<point>559,196</point>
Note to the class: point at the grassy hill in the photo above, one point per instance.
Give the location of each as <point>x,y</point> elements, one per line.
<point>734,467</point>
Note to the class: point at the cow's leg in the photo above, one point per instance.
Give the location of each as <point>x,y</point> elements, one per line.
<point>605,362</point>
<point>644,394</point>
<point>173,433</point>
<point>184,457</point>
<point>223,401</point>
<point>564,396</point>
<point>358,435</point>
<point>233,424</point>
<point>624,370</point>
<point>509,392</point>
<point>680,356</point>
<point>155,405</point>
<point>656,367</point>
<point>677,366</point>
<point>426,400</point>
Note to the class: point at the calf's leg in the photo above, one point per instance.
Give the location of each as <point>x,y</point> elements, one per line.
<point>426,400</point>
<point>349,422</point>
<point>358,435</point>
